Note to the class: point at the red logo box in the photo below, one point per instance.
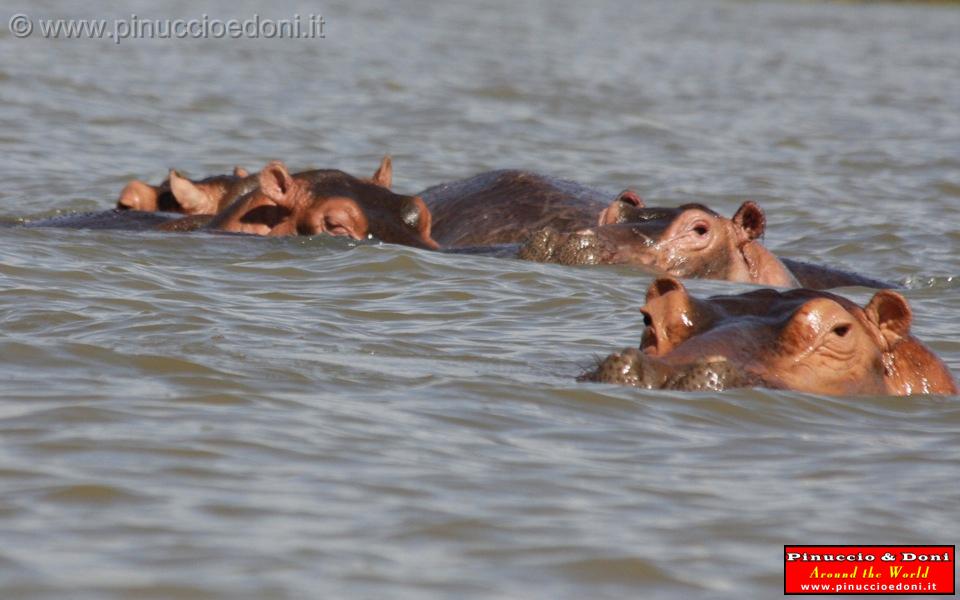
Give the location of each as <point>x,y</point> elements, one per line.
<point>877,570</point>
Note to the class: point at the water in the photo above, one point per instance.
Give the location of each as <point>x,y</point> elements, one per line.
<point>221,417</point>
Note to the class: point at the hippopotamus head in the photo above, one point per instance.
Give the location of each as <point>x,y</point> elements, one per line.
<point>332,202</point>
<point>804,340</point>
<point>687,241</point>
<point>182,195</point>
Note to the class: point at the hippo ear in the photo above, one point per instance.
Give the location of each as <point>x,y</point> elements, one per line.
<point>276,182</point>
<point>629,196</point>
<point>890,312</point>
<point>416,214</point>
<point>384,175</point>
<point>751,220</point>
<point>190,197</point>
<point>138,195</point>
<point>239,171</point>
<point>613,213</point>
<point>663,286</point>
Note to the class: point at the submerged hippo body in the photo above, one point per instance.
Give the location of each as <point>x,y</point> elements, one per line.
<point>178,194</point>
<point>328,201</point>
<point>505,207</point>
<point>145,207</point>
<point>819,277</point>
<point>802,339</point>
<point>109,219</point>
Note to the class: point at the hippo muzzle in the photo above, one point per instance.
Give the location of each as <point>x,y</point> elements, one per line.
<point>577,248</point>
<point>632,367</point>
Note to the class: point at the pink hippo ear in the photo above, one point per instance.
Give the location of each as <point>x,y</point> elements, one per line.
<point>276,183</point>
<point>239,171</point>
<point>663,286</point>
<point>384,175</point>
<point>425,222</point>
<point>613,214</point>
<point>891,314</point>
<point>192,199</point>
<point>750,220</point>
<point>669,317</point>
<point>415,214</point>
<point>138,195</point>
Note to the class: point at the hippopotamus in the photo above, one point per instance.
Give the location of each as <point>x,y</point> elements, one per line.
<point>687,241</point>
<point>801,339</point>
<point>308,203</point>
<point>177,194</point>
<point>145,207</point>
<point>328,201</point>
<point>540,218</point>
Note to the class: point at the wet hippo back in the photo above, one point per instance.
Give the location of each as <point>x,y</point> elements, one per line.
<point>504,207</point>
<point>818,277</point>
<point>108,219</point>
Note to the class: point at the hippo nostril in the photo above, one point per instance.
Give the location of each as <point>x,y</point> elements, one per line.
<point>628,367</point>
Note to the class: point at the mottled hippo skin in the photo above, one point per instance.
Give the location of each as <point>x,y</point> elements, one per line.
<point>178,194</point>
<point>805,340</point>
<point>330,202</point>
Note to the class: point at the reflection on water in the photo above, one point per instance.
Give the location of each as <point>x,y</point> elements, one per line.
<point>214,416</point>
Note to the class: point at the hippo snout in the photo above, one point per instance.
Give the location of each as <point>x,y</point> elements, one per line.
<point>714,374</point>
<point>632,367</point>
<point>579,248</point>
<point>629,367</point>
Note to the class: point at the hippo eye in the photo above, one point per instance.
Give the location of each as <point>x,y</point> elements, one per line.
<point>841,330</point>
<point>647,321</point>
<point>334,227</point>
<point>701,229</point>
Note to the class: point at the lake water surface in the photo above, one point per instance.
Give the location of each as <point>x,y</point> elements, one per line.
<point>200,416</point>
